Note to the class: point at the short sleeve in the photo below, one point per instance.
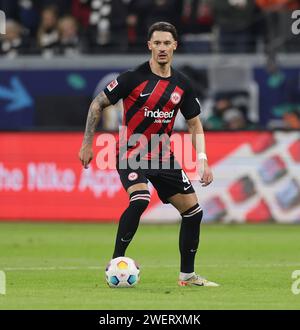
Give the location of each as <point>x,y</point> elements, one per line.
<point>118,88</point>
<point>190,106</point>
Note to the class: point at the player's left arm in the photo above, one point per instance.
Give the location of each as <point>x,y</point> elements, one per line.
<point>198,140</point>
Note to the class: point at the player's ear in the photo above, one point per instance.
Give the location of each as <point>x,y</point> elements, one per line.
<point>175,45</point>
<point>149,45</point>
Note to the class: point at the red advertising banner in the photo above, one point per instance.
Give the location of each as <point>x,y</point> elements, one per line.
<point>41,178</point>
<point>256,179</point>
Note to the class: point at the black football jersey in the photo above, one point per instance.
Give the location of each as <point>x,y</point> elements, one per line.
<point>151,104</point>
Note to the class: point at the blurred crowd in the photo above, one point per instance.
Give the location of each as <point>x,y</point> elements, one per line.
<point>51,27</point>
<point>71,27</point>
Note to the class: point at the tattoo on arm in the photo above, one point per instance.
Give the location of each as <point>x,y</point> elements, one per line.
<point>99,103</point>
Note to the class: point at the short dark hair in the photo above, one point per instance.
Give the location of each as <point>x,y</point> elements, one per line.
<point>163,26</point>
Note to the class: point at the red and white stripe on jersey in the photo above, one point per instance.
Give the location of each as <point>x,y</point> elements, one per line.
<point>133,123</point>
<point>167,129</point>
<point>127,103</point>
<point>150,103</point>
<point>155,128</point>
<point>132,98</point>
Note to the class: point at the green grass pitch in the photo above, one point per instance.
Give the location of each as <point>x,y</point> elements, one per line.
<point>61,266</point>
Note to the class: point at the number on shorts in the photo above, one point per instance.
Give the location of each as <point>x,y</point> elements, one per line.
<point>185,179</point>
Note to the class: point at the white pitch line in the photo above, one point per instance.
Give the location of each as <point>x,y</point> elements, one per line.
<point>275,265</point>
<point>51,268</point>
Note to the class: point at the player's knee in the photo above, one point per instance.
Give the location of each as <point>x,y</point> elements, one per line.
<point>193,213</point>
<point>140,199</point>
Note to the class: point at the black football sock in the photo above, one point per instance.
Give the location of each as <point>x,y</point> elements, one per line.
<point>129,221</point>
<point>189,237</point>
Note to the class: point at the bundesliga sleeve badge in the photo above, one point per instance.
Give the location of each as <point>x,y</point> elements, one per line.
<point>112,85</point>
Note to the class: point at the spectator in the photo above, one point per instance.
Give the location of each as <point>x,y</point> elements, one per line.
<point>228,113</point>
<point>163,10</point>
<point>63,7</point>
<point>106,28</point>
<point>136,31</point>
<point>13,42</point>
<point>278,21</point>
<point>196,16</point>
<point>216,121</point>
<point>291,120</point>
<point>24,12</point>
<point>132,30</point>
<point>280,96</point>
<point>142,14</point>
<point>118,18</point>
<point>196,25</point>
<point>234,120</point>
<point>234,20</point>
<point>69,41</point>
<point>81,10</point>
<point>48,35</point>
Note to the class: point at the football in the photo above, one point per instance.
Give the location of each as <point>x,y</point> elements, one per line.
<point>122,272</point>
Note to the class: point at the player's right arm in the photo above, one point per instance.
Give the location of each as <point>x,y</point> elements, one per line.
<point>99,103</point>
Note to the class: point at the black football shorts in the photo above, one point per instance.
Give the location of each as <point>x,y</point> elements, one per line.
<point>167,182</point>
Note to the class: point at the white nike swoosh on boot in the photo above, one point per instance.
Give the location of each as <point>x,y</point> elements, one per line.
<point>125,240</point>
